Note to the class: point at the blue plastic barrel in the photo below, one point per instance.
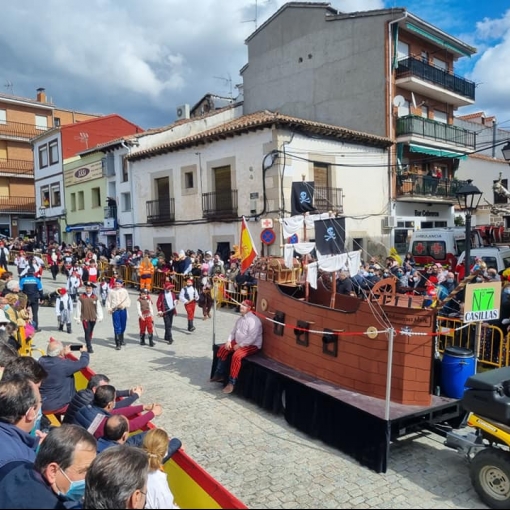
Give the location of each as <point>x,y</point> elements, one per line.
<point>457,366</point>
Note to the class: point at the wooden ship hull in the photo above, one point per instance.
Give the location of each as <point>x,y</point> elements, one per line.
<point>324,363</point>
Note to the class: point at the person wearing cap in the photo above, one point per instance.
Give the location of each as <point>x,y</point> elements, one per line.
<point>64,309</point>
<point>167,308</point>
<point>88,312</point>
<point>145,316</point>
<point>31,285</point>
<point>189,296</point>
<point>117,303</point>
<point>245,339</point>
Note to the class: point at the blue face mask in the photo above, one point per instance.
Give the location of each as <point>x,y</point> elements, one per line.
<point>76,490</point>
<point>37,422</point>
<point>506,290</point>
<point>450,280</point>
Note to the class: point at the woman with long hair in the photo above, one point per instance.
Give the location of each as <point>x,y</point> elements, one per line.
<point>159,495</point>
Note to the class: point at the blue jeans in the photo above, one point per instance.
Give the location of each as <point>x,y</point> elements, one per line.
<point>119,318</point>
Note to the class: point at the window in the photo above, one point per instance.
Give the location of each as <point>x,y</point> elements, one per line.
<point>425,57</point>
<point>126,201</point>
<point>73,201</point>
<point>43,156</point>
<point>53,147</point>
<point>41,122</point>
<point>424,111</point>
<point>188,180</point>
<point>55,195</point>
<point>440,116</point>
<point>440,64</point>
<point>435,249</point>
<point>45,196</point>
<point>81,201</point>
<point>57,122</point>
<point>402,50</point>
<point>125,174</point>
<point>96,197</point>
<point>3,116</point>
<point>498,198</point>
<point>128,239</point>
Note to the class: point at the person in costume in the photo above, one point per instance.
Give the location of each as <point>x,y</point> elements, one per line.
<point>64,309</point>
<point>117,303</point>
<point>145,316</point>
<point>88,312</point>
<point>189,296</point>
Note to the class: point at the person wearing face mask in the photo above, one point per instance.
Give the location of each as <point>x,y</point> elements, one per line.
<point>20,412</point>
<point>444,289</point>
<point>57,477</point>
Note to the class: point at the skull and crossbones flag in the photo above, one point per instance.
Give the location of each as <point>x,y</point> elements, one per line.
<point>330,236</point>
<point>302,197</point>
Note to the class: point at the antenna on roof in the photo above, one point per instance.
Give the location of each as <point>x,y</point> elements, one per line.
<point>254,20</point>
<point>9,86</point>
<point>228,81</point>
<point>84,138</point>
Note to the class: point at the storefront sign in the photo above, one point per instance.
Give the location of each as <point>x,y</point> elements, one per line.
<point>426,213</point>
<point>83,173</point>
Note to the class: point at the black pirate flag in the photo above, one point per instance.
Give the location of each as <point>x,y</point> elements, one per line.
<point>330,236</point>
<point>302,197</point>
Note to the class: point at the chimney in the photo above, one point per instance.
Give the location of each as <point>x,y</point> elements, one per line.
<point>41,95</point>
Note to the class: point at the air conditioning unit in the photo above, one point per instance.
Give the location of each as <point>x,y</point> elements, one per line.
<point>389,222</point>
<point>109,223</point>
<point>182,112</point>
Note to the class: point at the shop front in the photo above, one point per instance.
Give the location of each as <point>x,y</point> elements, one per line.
<point>416,216</point>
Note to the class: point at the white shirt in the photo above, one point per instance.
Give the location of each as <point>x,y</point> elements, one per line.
<point>159,494</point>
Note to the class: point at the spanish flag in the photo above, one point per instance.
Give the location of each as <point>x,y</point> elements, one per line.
<point>247,247</point>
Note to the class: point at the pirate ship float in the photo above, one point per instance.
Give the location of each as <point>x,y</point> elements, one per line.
<point>355,373</point>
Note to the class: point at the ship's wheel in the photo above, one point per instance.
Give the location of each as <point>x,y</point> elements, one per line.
<point>384,290</point>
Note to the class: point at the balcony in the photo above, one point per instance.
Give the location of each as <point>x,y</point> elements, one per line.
<point>19,131</point>
<point>161,211</point>
<point>417,129</point>
<point>110,213</point>
<point>219,204</point>
<point>16,168</point>
<point>15,205</point>
<point>430,81</point>
<point>424,186</point>
<point>328,199</point>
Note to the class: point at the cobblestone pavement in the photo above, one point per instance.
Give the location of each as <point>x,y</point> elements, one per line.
<point>256,455</point>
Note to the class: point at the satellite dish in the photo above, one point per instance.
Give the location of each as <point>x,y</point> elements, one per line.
<point>413,99</point>
<point>399,101</point>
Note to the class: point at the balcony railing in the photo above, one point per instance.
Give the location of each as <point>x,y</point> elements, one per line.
<point>433,130</point>
<point>419,186</point>
<point>452,82</point>
<point>17,205</point>
<point>161,211</point>
<point>220,204</point>
<point>20,130</point>
<point>328,199</point>
<point>110,212</point>
<point>17,167</point>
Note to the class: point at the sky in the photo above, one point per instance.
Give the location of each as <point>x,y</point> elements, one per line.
<point>143,58</point>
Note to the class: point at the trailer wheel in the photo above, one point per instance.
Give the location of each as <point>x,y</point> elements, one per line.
<point>490,476</point>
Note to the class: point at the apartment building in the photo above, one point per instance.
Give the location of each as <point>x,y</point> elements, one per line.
<point>22,119</point>
<point>55,147</point>
<point>385,72</point>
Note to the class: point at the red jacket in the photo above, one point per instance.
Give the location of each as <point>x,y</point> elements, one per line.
<point>160,304</point>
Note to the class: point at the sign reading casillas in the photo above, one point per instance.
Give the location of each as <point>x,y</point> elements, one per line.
<point>482,302</point>
<point>83,173</point>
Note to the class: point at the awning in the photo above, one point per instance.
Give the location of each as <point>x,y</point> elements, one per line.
<point>89,227</point>
<point>413,147</point>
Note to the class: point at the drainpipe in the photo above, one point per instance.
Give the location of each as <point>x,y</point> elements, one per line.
<point>390,117</point>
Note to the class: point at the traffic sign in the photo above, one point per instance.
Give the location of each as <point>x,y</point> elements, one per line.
<point>293,239</point>
<point>267,236</point>
<point>482,302</point>
<point>266,223</point>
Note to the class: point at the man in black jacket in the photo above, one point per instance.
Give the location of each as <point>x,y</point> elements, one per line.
<point>86,396</point>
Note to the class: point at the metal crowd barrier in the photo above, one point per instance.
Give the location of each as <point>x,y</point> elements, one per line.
<point>493,347</point>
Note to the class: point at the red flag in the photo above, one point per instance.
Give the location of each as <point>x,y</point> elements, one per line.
<point>247,247</point>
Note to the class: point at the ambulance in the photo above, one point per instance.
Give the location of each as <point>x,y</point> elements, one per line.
<point>441,245</point>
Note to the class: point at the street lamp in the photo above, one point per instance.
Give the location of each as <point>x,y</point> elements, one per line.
<point>469,197</point>
<point>506,152</point>
<point>42,214</point>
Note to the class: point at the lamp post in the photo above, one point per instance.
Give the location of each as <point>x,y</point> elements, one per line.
<point>42,214</point>
<point>506,152</point>
<point>469,197</point>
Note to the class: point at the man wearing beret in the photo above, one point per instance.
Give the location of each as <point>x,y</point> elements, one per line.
<point>117,303</point>
<point>245,339</point>
<point>88,312</point>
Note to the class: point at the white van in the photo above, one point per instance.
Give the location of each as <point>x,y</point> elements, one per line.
<point>496,257</point>
<point>441,245</point>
